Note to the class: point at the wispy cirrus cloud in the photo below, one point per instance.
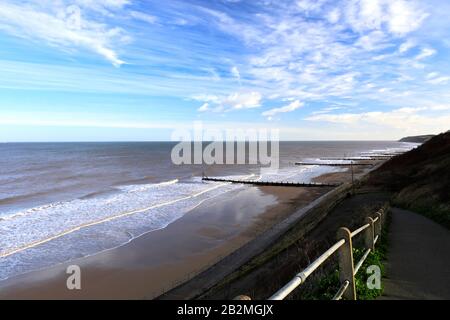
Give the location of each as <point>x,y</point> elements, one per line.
<point>235,101</point>
<point>144,17</point>
<point>435,118</point>
<point>289,108</point>
<point>64,24</point>
<point>434,78</point>
<point>240,58</point>
<point>425,53</point>
<point>316,50</point>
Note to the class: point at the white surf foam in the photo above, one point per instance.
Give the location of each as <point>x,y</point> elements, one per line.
<point>57,231</point>
<point>404,147</point>
<point>48,235</point>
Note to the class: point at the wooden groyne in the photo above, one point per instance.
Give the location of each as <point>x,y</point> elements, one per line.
<point>386,155</point>
<point>331,164</point>
<point>380,157</point>
<point>362,158</point>
<point>273,183</point>
<point>200,285</point>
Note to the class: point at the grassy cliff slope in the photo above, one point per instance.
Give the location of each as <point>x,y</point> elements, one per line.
<point>420,179</point>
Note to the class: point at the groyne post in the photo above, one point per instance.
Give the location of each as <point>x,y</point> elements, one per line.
<point>353,178</point>
<point>346,267</point>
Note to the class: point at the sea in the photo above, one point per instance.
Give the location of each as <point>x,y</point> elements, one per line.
<point>63,201</point>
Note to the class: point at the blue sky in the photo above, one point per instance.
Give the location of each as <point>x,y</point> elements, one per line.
<point>98,70</point>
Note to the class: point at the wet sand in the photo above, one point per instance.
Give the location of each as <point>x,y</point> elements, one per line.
<point>158,260</point>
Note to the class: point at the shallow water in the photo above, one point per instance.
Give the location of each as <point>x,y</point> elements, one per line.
<point>61,201</point>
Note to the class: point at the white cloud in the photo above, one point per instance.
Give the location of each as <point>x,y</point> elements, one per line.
<point>404,16</point>
<point>375,40</point>
<point>425,53</point>
<point>406,46</point>
<point>107,4</point>
<point>364,15</point>
<point>416,119</point>
<point>143,17</point>
<point>334,15</point>
<point>62,26</point>
<point>243,100</point>
<point>289,108</point>
<point>397,16</point>
<point>206,98</point>
<point>204,107</point>
<point>236,101</point>
<point>440,80</point>
<point>439,107</point>
<point>310,5</point>
<point>434,78</point>
<point>326,110</point>
<point>102,6</point>
<point>320,58</point>
<point>235,72</point>
<point>356,50</point>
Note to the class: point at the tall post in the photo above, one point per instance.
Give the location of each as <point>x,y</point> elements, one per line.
<point>353,177</point>
<point>346,267</point>
<point>369,234</point>
<point>380,216</point>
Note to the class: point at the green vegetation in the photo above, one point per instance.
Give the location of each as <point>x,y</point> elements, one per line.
<point>374,258</point>
<point>328,285</point>
<point>326,288</point>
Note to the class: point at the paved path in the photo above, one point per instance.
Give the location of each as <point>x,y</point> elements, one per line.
<point>418,265</point>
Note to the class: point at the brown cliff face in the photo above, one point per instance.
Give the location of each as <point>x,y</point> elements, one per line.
<point>420,178</point>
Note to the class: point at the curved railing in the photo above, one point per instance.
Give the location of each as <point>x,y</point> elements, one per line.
<point>347,268</point>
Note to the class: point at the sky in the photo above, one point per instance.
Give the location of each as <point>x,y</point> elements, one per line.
<point>133,70</point>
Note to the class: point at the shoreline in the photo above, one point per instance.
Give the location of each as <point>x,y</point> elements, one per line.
<point>202,247</point>
<point>131,271</point>
<point>243,259</point>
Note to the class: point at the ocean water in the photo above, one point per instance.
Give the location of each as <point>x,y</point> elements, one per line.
<point>62,201</point>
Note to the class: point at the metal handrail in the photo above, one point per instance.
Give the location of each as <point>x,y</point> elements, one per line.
<point>302,276</point>
<point>338,295</point>
<point>361,261</point>
<point>359,230</point>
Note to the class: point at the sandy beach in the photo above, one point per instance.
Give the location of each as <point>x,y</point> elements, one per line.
<point>156,261</point>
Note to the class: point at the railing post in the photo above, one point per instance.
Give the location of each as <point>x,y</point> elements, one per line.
<point>384,212</point>
<point>380,216</point>
<point>369,237</point>
<point>346,267</point>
